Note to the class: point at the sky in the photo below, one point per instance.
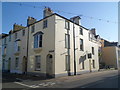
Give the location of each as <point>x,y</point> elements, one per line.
<point>91,13</point>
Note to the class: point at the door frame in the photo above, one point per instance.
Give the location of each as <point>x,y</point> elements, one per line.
<point>48,74</point>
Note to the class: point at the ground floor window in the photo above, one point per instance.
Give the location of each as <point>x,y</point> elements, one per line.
<point>37,62</point>
<point>3,64</point>
<point>67,63</point>
<point>16,62</point>
<point>93,63</point>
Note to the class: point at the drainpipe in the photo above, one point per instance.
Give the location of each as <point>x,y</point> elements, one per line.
<point>74,47</point>
<point>27,49</point>
<point>68,52</point>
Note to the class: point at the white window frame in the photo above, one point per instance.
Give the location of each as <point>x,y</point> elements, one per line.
<point>45,24</point>
<point>38,57</point>
<point>38,40</point>
<point>81,44</point>
<point>67,41</point>
<point>67,25</point>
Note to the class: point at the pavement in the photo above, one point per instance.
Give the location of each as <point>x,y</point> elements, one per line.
<point>94,79</point>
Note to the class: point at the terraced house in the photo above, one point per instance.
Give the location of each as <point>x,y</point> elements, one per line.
<point>53,46</point>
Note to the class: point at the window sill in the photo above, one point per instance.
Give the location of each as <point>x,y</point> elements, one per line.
<point>37,69</point>
<point>37,50</point>
<point>4,55</point>
<point>82,50</point>
<point>17,52</point>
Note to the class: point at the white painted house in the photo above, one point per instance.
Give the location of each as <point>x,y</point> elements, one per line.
<point>53,46</point>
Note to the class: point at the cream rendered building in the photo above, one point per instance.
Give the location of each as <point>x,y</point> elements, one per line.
<point>53,46</point>
<point>111,56</point>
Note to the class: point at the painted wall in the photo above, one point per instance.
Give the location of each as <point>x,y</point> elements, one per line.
<point>109,56</point>
<point>48,44</point>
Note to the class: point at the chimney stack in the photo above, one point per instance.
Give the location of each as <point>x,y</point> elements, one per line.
<point>47,12</point>
<point>76,20</point>
<point>93,31</point>
<point>30,20</point>
<point>17,27</point>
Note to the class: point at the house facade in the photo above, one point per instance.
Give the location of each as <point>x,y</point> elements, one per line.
<point>53,46</point>
<point>110,54</point>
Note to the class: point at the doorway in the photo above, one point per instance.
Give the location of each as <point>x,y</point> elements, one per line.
<point>49,66</point>
<point>24,65</point>
<point>9,64</point>
<point>90,65</point>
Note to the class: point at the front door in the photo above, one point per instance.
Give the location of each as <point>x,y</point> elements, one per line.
<point>49,66</point>
<point>9,64</point>
<point>90,65</point>
<point>24,65</point>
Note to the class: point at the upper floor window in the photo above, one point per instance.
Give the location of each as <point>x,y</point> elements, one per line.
<point>67,41</point>
<point>17,45</point>
<point>4,49</point>
<point>45,24</point>
<point>81,45</point>
<point>38,40</point>
<point>5,41</point>
<point>32,29</point>
<point>93,50</point>
<point>15,35</point>
<point>37,62</point>
<point>81,31</point>
<point>23,32</point>
<point>9,37</point>
<point>67,25</point>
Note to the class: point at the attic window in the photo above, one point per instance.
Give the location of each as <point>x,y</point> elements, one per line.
<point>45,24</point>
<point>32,29</point>
<point>67,25</point>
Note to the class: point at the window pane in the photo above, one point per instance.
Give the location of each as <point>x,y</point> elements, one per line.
<point>81,44</point>
<point>93,63</point>
<point>67,62</point>
<point>67,41</point>
<point>45,24</point>
<point>16,62</point>
<point>32,29</point>
<point>67,25</point>
<point>93,50</point>
<point>36,41</point>
<point>37,63</point>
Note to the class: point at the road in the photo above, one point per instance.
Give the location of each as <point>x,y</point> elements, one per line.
<point>102,79</point>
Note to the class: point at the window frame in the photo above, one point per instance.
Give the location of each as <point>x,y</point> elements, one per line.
<point>16,35</point>
<point>67,25</point>
<point>83,65</point>
<point>32,28</point>
<point>67,41</point>
<point>23,32</point>
<point>9,37</point>
<point>16,65</point>
<point>81,45</point>
<point>45,24</point>
<point>81,31</point>
<point>67,63</point>
<point>36,62</point>
<point>93,61</point>
<point>93,50</point>
<point>38,40</point>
